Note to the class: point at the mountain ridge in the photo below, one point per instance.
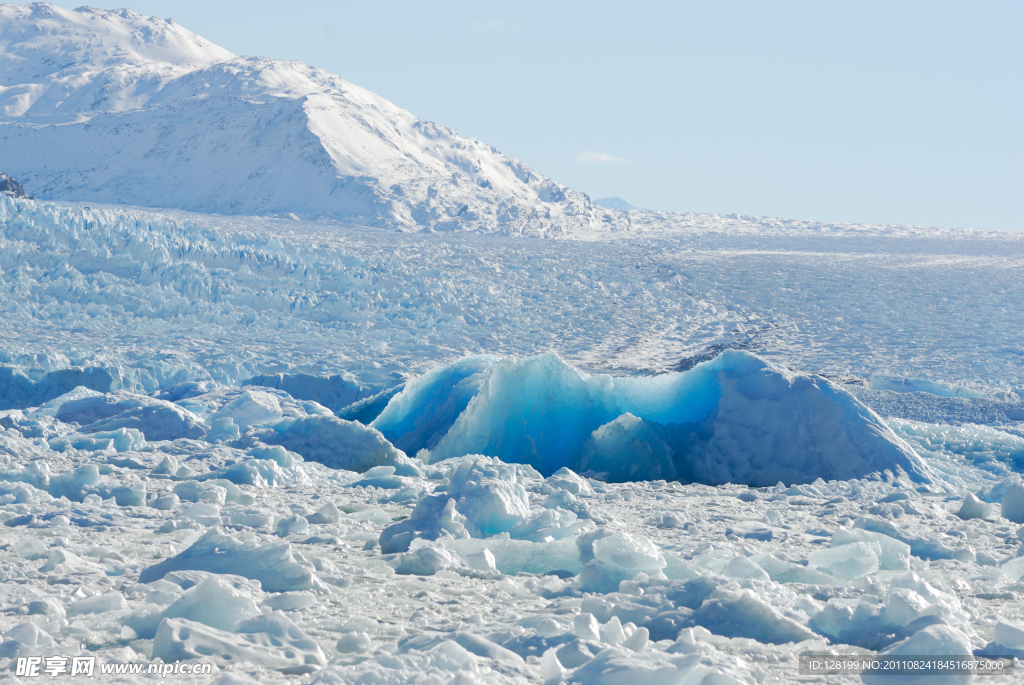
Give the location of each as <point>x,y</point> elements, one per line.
<point>114,106</point>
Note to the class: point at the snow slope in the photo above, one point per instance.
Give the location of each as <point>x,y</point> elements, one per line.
<point>113,106</point>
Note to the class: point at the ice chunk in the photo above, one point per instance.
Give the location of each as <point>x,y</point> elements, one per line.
<point>1009,634</point>
<point>756,530</point>
<point>628,551</point>
<point>569,481</point>
<point>426,561</point>
<point>131,495</point>
<point>204,513</point>
<point>282,457</point>
<point>328,513</point>
<point>616,666</point>
<point>551,670</point>
<point>449,655</point>
<point>974,508</point>
<point>30,548</point>
<point>717,419</point>
<point>336,443</point>
<point>96,407</point>
<point>214,602</point>
<point>98,604</point>
<point>742,567</point>
<point>262,473</point>
<point>434,517</point>
<point>522,556</point>
<point>68,563</point>
<point>547,524</point>
<point>288,601</point>
<point>586,627</point>
<point>487,493</point>
<point>380,477</point>
<point>118,440</point>
<point>253,518</point>
<point>354,643</point>
<point>273,565</point>
<point>26,639</point>
<point>574,654</point>
<point>271,641</point>
<point>637,642</point>
<point>1013,569</point>
<point>627,449</point>
<point>546,626</point>
<point>743,614</point>
<point>849,561</point>
<point>893,555</point>
<point>903,605</point>
<point>611,632</point>
<point>483,499</point>
<point>419,416</point>
<point>163,592</point>
<point>373,515</point>
<point>292,525</point>
<point>937,640</point>
<point>480,561</point>
<point>1012,507</point>
<point>616,557</point>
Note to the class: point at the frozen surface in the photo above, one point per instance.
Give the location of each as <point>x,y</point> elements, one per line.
<point>186,427</point>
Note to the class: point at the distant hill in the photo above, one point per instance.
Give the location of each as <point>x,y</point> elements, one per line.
<point>114,106</point>
<point>616,203</point>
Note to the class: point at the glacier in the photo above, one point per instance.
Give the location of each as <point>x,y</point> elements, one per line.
<point>365,401</point>
<point>291,409</point>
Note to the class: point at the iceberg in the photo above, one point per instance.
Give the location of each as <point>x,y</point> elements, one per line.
<point>734,419</point>
<point>274,565</point>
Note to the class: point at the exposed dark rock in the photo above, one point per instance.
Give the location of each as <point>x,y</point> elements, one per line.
<point>9,186</point>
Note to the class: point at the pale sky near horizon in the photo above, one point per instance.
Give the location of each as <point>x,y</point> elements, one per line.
<point>906,112</point>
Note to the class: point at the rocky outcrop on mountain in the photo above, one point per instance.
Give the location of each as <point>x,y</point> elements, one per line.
<point>10,187</point>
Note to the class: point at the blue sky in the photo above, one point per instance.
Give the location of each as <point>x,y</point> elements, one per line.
<point>887,112</point>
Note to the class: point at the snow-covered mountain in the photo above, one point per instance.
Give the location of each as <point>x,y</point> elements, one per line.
<point>113,106</point>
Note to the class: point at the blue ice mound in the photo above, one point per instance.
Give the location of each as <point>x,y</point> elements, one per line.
<point>425,410</point>
<point>736,418</point>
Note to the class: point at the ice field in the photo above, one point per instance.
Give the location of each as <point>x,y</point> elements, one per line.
<point>373,403</point>
<point>250,441</point>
